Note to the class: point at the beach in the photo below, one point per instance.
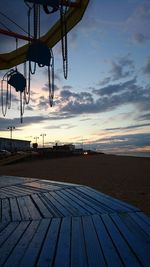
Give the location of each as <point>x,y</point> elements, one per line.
<point>123,177</point>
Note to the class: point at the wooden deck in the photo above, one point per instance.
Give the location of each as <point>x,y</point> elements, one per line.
<point>45,223</point>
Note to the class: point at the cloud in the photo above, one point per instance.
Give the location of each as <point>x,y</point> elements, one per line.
<point>146,69</point>
<point>4,122</point>
<point>144,117</point>
<point>128,127</point>
<point>116,88</point>
<point>105,99</point>
<point>140,38</point>
<point>104,81</point>
<point>64,126</point>
<point>122,68</point>
<point>123,142</point>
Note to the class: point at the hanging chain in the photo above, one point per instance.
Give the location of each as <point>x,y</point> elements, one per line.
<point>63,19</point>
<point>27,89</point>
<point>21,107</point>
<point>51,79</point>
<point>7,104</point>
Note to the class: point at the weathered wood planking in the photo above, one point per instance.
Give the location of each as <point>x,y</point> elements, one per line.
<point>44,223</point>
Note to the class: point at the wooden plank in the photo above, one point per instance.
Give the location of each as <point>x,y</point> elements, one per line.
<point>93,249</point>
<point>30,257</point>
<point>53,211</point>
<point>41,185</point>
<point>41,206</point>
<point>6,181</point>
<point>47,254</point>
<point>63,248</point>
<point>141,249</point>
<point>15,212</point>
<point>33,189</point>
<point>3,225</point>
<point>0,210</point>
<point>65,203</point>
<point>6,212</point>
<point>22,245</point>
<point>23,209</point>
<point>144,217</point>
<point>61,184</point>
<point>138,218</point>
<point>103,208</point>
<point>97,207</point>
<point>112,258</point>
<point>61,209</point>
<point>23,190</point>
<point>131,221</point>
<point>6,192</point>
<point>126,254</point>
<point>6,232</point>
<point>11,242</point>
<point>113,203</point>
<point>78,253</point>
<point>79,210</point>
<point>34,213</point>
<point>79,202</point>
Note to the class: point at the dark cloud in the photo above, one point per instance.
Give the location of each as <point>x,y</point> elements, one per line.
<point>124,141</point>
<point>61,116</point>
<point>140,38</point>
<point>104,81</point>
<point>122,68</point>
<point>144,117</point>
<point>116,88</point>
<point>4,122</point>
<point>108,98</point>
<point>146,69</point>
<point>128,127</point>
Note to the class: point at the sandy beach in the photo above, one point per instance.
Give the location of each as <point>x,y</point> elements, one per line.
<point>123,177</point>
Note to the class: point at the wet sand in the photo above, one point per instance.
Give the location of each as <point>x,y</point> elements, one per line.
<point>123,177</point>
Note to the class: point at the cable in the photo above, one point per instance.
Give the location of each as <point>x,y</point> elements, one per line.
<point>5,26</point>
<point>13,22</point>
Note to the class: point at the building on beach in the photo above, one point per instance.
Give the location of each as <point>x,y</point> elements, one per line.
<point>14,144</point>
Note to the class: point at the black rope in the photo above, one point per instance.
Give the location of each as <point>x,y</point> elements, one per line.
<point>5,26</point>
<point>12,21</point>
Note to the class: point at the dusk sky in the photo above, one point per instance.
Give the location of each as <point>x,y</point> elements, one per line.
<point>105,102</point>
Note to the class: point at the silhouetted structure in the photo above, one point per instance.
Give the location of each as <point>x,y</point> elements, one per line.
<point>14,144</point>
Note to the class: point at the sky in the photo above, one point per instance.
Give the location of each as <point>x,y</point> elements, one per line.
<point>105,102</point>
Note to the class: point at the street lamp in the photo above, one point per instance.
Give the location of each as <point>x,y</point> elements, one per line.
<point>36,138</point>
<point>43,135</point>
<point>11,128</point>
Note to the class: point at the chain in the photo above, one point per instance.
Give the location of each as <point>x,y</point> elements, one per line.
<point>27,89</point>
<point>64,41</point>
<point>51,79</point>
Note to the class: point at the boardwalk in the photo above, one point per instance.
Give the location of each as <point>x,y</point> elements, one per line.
<point>46,223</point>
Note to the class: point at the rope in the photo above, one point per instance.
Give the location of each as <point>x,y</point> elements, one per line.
<point>5,26</point>
<point>12,21</point>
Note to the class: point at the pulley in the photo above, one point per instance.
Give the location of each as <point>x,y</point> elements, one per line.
<point>17,80</point>
<point>39,53</point>
<point>53,4</point>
